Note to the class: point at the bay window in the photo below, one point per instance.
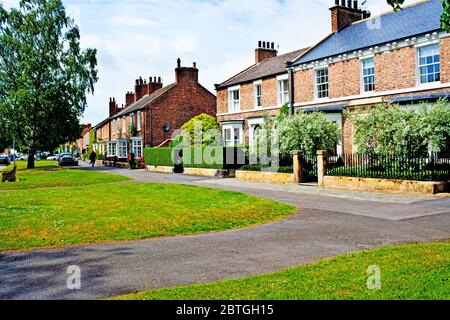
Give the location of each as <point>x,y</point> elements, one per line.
<point>233,134</point>
<point>122,149</point>
<point>112,149</point>
<point>136,148</point>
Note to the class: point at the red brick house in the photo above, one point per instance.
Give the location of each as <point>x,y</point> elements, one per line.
<point>263,88</point>
<point>152,113</point>
<point>399,57</point>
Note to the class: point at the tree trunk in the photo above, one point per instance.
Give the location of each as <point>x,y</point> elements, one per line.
<point>31,161</point>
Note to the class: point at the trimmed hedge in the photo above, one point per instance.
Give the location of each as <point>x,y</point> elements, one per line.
<point>258,167</point>
<point>159,157</point>
<point>207,158</point>
<point>214,158</point>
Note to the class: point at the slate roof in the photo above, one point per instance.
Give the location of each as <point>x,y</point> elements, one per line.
<point>269,67</point>
<point>417,19</point>
<point>138,105</point>
<point>144,101</point>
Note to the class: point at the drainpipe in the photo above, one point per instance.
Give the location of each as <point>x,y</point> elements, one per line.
<point>291,89</point>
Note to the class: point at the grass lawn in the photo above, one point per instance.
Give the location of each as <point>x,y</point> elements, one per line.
<point>419,271</point>
<point>61,216</point>
<point>48,174</point>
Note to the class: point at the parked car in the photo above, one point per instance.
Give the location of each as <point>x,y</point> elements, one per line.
<point>23,158</point>
<point>53,158</point>
<point>4,160</point>
<point>68,160</point>
<point>13,157</point>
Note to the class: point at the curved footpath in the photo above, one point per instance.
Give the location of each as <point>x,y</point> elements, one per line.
<point>328,224</point>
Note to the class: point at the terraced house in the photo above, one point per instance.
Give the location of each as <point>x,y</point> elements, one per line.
<point>152,113</point>
<point>399,57</point>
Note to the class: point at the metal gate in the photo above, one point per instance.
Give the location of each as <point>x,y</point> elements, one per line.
<point>309,168</point>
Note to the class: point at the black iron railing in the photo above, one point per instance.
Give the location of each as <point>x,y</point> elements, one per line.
<point>427,167</point>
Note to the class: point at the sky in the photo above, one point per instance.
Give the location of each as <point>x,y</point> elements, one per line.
<point>145,37</point>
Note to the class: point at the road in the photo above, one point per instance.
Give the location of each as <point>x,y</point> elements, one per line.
<point>324,226</point>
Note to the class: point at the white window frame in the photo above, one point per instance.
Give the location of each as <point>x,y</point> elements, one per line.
<point>122,144</point>
<point>252,124</point>
<point>418,65</point>
<point>233,104</point>
<point>110,152</point>
<point>337,118</point>
<point>257,97</point>
<point>363,77</point>
<point>131,119</point>
<point>138,120</point>
<point>233,127</point>
<point>283,92</point>
<point>316,84</point>
<point>135,144</point>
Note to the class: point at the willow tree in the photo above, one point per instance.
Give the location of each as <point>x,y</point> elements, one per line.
<point>45,76</point>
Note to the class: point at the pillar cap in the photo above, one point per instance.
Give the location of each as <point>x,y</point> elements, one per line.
<point>297,152</point>
<point>322,152</point>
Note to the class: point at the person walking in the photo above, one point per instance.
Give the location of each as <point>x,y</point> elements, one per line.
<point>92,158</point>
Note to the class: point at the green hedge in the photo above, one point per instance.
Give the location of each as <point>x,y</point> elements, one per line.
<point>160,157</point>
<point>214,158</point>
<point>211,158</point>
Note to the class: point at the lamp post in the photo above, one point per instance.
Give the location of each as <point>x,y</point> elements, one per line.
<point>14,149</point>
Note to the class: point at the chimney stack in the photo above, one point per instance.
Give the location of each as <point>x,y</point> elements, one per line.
<point>186,74</point>
<point>144,88</point>
<point>265,50</point>
<point>345,13</point>
<point>112,107</point>
<point>129,98</point>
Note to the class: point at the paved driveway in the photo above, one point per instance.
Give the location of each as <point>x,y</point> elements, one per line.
<point>323,227</point>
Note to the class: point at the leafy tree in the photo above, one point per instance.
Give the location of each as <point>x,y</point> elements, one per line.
<point>445,18</point>
<point>435,126</point>
<point>308,132</point>
<point>208,125</point>
<point>389,129</point>
<point>44,76</point>
<point>386,130</point>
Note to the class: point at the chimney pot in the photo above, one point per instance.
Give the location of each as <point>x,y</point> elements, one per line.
<point>259,44</point>
<point>178,63</point>
<point>345,14</point>
<point>159,79</point>
<point>194,64</point>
